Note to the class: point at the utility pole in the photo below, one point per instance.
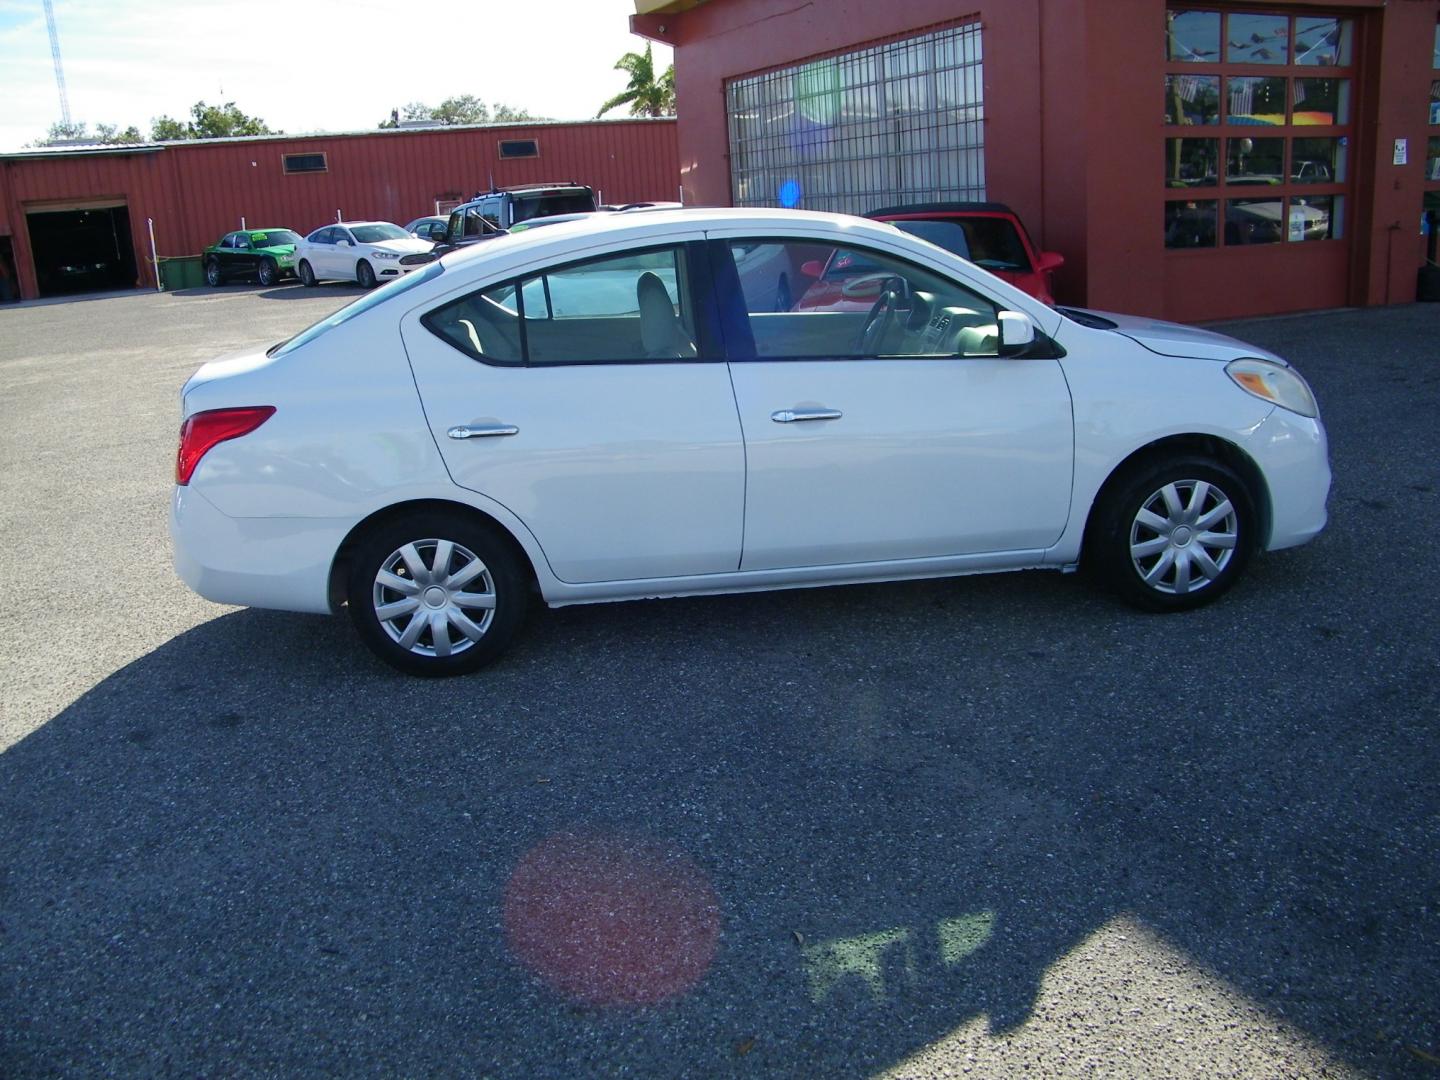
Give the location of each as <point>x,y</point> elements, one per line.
<point>59,68</point>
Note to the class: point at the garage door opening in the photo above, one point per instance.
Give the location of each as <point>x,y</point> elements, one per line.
<point>79,251</point>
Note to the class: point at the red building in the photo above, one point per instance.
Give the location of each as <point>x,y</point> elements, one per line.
<point>1193,161</point>
<point>66,211</point>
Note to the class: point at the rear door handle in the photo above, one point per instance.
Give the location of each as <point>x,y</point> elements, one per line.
<point>795,416</point>
<point>484,431</point>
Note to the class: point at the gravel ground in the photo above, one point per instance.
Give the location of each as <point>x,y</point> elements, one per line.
<point>976,826</point>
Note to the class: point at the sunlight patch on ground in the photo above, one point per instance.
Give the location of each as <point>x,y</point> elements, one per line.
<point>1126,1003</point>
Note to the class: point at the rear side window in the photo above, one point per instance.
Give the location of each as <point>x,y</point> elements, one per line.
<point>568,202</point>
<point>625,308</point>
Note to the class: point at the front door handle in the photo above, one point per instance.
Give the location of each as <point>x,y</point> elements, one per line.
<point>794,416</point>
<point>461,431</point>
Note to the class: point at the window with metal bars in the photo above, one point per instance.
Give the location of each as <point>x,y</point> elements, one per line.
<point>892,123</point>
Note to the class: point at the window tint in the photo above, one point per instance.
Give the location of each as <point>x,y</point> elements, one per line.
<point>630,306</point>
<point>622,308</point>
<point>852,302</point>
<point>484,325</point>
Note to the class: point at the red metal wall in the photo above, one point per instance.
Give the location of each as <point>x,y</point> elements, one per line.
<point>1074,138</point>
<point>196,192</point>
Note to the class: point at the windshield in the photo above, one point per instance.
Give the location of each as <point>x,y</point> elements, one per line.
<point>373,234</point>
<point>569,202</point>
<point>995,245</point>
<point>943,234</point>
<point>388,291</point>
<point>274,238</point>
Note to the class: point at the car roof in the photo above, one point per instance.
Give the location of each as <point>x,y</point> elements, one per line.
<point>944,208</point>
<point>603,226</point>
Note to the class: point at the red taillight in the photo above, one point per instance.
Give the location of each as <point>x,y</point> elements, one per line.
<point>205,429</point>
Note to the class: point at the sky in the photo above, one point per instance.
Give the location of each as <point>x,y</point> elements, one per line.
<point>308,65</point>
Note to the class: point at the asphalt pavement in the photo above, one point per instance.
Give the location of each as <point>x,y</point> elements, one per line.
<point>977,826</point>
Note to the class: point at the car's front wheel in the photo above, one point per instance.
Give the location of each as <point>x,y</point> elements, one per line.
<point>436,594</point>
<point>365,274</point>
<point>1174,534</point>
<point>307,275</point>
<point>212,273</point>
<point>267,272</point>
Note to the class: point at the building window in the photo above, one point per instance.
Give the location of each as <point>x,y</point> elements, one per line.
<point>303,163</point>
<point>1272,95</point>
<point>519,148</point>
<point>899,122</point>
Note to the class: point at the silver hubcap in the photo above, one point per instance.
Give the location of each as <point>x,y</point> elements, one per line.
<point>1183,537</point>
<point>434,597</point>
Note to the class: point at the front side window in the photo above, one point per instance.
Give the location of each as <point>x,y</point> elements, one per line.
<point>853,302</point>
<point>624,308</point>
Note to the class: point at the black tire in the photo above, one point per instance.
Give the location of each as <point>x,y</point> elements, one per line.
<point>1144,543</point>
<point>307,275</point>
<point>365,274</point>
<point>267,271</point>
<point>500,576</point>
<point>213,277</point>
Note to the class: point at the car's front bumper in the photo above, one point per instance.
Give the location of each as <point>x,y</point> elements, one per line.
<point>1294,455</point>
<point>238,560</point>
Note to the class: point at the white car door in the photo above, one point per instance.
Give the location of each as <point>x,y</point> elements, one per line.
<point>599,418</point>
<point>345,253</point>
<point>318,252</point>
<point>913,441</point>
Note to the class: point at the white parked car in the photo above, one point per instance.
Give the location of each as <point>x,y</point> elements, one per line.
<point>592,411</point>
<point>363,251</point>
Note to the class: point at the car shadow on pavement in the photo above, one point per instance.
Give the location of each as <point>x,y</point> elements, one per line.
<point>804,834</point>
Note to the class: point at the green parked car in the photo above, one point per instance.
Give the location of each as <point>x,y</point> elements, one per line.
<point>266,254</point>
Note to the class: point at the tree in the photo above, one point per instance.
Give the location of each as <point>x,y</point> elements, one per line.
<point>104,134</point>
<point>646,95</point>
<point>461,109</point>
<point>209,122</point>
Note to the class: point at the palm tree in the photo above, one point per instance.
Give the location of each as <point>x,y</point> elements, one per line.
<point>645,95</point>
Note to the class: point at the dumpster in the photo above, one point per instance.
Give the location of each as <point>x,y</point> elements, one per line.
<point>180,272</point>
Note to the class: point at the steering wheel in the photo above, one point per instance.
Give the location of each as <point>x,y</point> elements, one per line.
<point>865,285</point>
<point>878,322</point>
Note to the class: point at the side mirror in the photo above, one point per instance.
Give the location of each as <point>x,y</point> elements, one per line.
<point>1049,260</point>
<point>344,243</point>
<point>1017,332</point>
<point>813,268</point>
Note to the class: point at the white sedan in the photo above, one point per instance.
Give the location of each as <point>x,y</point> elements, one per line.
<point>592,411</point>
<point>363,251</point>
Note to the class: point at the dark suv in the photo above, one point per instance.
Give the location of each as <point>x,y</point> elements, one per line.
<point>491,213</point>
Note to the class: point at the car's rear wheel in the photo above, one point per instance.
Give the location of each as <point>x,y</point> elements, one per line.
<point>365,274</point>
<point>213,276</point>
<point>307,275</point>
<point>1174,534</point>
<point>267,272</point>
<point>436,594</point>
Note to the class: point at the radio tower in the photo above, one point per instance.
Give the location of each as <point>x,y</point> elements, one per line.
<point>59,68</point>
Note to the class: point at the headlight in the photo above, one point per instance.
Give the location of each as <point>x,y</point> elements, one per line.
<point>1274,383</point>
<point>383,255</point>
